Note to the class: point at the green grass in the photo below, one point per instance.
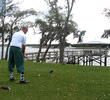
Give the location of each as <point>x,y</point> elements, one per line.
<point>67,82</point>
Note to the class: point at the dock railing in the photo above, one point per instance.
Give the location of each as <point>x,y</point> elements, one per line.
<point>86,56</point>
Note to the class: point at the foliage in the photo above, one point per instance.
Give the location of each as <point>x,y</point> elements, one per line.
<point>106,34</point>
<point>79,34</point>
<point>11,20</point>
<point>58,24</point>
<point>14,17</point>
<point>67,82</point>
<point>106,12</point>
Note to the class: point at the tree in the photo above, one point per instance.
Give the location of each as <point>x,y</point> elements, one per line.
<point>2,17</point>
<point>106,12</point>
<point>15,21</point>
<point>62,21</point>
<point>79,34</point>
<point>56,25</point>
<point>106,33</point>
<point>42,26</point>
<point>47,36</point>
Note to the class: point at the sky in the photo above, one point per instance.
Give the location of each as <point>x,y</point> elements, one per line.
<point>86,13</point>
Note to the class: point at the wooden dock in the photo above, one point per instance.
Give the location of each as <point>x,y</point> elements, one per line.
<point>54,55</point>
<point>86,57</point>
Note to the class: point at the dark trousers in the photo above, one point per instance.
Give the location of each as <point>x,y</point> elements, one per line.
<point>16,58</point>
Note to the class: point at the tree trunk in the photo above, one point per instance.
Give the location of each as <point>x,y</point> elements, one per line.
<point>61,51</point>
<point>43,59</point>
<point>2,52</point>
<point>11,32</point>
<point>39,52</point>
<point>3,29</point>
<point>6,55</point>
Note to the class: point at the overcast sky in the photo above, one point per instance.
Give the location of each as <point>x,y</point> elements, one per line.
<point>86,13</point>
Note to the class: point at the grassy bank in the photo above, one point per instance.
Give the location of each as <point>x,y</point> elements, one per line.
<point>67,82</point>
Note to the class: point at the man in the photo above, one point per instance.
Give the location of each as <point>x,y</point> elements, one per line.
<point>17,54</point>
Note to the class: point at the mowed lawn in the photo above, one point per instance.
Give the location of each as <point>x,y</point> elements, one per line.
<point>66,82</point>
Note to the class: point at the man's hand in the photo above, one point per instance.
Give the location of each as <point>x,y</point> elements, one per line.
<point>24,55</point>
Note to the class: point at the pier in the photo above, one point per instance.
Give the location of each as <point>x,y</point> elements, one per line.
<point>84,56</point>
<point>91,53</point>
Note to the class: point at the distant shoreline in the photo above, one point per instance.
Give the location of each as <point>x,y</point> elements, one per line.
<point>35,45</point>
<point>26,44</point>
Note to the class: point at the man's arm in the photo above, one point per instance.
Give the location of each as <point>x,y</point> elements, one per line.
<point>23,49</point>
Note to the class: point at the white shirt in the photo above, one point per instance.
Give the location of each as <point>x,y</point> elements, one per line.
<point>18,39</point>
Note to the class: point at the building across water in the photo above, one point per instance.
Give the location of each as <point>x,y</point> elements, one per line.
<point>94,51</point>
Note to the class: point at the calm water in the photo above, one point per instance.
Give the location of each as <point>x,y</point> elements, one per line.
<point>31,49</point>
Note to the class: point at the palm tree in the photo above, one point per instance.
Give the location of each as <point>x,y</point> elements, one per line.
<point>106,34</point>
<point>79,34</point>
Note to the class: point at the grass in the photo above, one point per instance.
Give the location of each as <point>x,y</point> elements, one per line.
<point>67,82</point>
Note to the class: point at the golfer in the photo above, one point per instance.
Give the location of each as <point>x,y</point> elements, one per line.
<point>17,53</point>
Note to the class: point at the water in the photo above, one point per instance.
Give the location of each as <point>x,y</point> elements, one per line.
<point>30,49</point>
